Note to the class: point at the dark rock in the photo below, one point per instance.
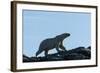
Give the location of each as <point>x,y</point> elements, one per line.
<point>26,59</point>
<point>79,53</point>
<point>89,47</point>
<point>74,56</point>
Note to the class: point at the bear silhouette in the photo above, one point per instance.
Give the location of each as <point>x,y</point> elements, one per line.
<point>51,43</point>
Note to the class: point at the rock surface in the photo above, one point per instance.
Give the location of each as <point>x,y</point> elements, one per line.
<point>79,53</point>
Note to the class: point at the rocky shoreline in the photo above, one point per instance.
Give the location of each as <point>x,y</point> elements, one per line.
<point>78,53</point>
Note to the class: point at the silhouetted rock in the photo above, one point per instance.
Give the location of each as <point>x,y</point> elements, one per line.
<point>74,56</point>
<point>26,59</point>
<point>89,47</point>
<point>78,53</point>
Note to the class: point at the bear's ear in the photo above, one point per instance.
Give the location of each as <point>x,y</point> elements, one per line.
<point>68,34</point>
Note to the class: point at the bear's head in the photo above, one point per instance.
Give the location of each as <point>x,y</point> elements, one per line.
<point>63,36</point>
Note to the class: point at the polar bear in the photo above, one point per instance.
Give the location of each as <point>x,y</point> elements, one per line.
<point>51,43</point>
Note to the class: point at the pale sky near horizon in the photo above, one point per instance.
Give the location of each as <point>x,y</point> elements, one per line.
<point>39,25</point>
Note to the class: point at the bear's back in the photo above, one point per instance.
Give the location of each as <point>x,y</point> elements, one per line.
<point>48,43</point>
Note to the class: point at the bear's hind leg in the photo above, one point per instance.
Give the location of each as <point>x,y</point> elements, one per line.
<point>38,52</point>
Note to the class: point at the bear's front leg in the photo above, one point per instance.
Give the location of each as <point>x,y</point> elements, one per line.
<point>61,46</point>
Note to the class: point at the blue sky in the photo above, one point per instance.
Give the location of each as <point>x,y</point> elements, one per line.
<point>39,25</point>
